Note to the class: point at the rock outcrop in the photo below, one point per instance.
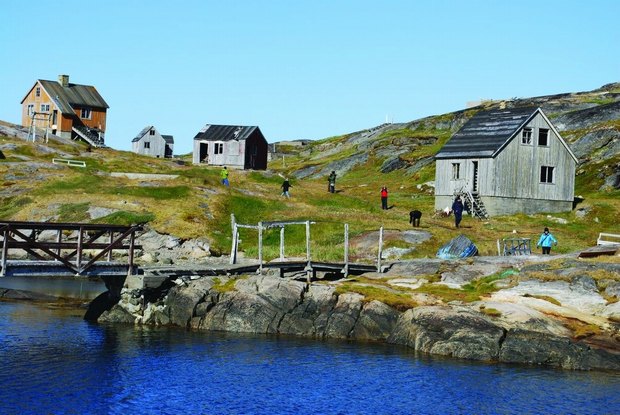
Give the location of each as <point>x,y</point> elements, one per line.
<point>529,324</point>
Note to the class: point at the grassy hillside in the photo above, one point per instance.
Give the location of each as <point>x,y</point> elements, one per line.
<point>195,204</point>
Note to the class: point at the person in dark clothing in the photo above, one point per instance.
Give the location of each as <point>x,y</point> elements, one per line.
<point>457,209</point>
<point>285,186</point>
<point>331,180</point>
<point>384,197</point>
<point>414,217</point>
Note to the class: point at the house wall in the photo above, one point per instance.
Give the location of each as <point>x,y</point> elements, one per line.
<point>64,122</point>
<point>510,182</point>
<point>157,145</point>
<point>256,151</point>
<point>233,154</point>
<point>31,98</point>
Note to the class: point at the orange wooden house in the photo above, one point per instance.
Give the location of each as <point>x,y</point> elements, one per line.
<point>68,110</point>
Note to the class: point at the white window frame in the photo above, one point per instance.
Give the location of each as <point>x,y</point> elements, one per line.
<point>37,91</point>
<point>526,136</point>
<point>45,107</point>
<point>456,171</point>
<point>218,148</point>
<point>147,144</point>
<point>85,113</point>
<point>151,132</point>
<point>546,139</point>
<point>547,174</point>
<point>30,109</point>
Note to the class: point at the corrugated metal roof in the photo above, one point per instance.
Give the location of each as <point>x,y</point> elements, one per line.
<point>73,95</point>
<point>486,132</point>
<point>141,133</point>
<point>213,132</point>
<point>168,138</point>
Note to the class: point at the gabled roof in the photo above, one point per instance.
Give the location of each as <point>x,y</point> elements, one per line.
<point>72,95</point>
<point>142,133</point>
<point>486,133</point>
<point>167,138</point>
<point>225,132</point>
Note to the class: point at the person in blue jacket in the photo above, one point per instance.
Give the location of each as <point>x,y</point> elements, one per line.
<point>546,240</point>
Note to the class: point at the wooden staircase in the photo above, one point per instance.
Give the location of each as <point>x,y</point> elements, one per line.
<point>87,135</point>
<point>475,204</point>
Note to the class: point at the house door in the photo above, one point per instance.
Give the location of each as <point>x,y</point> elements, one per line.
<point>204,153</point>
<point>474,181</point>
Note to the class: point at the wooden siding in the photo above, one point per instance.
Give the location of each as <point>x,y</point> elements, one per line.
<point>514,173</point>
<point>243,154</point>
<point>157,145</point>
<point>64,122</point>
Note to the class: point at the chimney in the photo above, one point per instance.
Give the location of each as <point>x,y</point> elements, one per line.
<point>64,80</point>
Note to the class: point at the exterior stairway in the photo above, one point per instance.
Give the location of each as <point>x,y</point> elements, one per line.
<point>476,205</point>
<point>87,135</point>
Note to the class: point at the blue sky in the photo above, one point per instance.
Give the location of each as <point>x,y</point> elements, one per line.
<point>302,69</point>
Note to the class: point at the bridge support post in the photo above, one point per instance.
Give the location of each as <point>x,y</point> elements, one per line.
<point>260,247</point>
<point>5,251</point>
<point>308,257</point>
<point>380,249</point>
<point>282,243</point>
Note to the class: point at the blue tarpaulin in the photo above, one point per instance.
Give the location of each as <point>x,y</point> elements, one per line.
<point>459,247</point>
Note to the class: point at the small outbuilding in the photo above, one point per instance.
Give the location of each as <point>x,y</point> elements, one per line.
<point>150,142</point>
<point>242,147</point>
<point>506,161</point>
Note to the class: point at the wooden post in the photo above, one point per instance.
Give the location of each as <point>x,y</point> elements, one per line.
<point>78,259</point>
<point>380,249</point>
<point>346,250</point>
<point>5,251</point>
<point>110,251</point>
<point>131,246</point>
<point>260,247</point>
<point>499,251</point>
<point>235,242</point>
<point>282,243</point>
<point>58,240</point>
<point>308,257</point>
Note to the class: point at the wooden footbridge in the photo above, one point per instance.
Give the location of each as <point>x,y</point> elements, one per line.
<point>75,248</point>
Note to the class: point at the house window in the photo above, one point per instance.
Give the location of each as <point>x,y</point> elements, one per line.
<point>85,113</point>
<point>147,144</point>
<point>543,137</point>
<point>456,171</point>
<point>151,132</point>
<point>546,174</point>
<point>45,107</point>
<point>37,92</point>
<point>218,148</point>
<point>30,109</point>
<point>526,136</point>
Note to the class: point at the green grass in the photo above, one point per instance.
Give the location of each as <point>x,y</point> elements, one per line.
<point>125,218</point>
<point>73,212</point>
<point>398,300</point>
<point>471,292</point>
<point>11,205</point>
<point>157,193</point>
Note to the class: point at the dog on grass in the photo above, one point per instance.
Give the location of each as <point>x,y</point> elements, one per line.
<point>414,217</point>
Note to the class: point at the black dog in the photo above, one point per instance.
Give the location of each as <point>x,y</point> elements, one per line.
<point>414,217</point>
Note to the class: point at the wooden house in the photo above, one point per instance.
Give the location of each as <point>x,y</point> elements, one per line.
<point>231,145</point>
<point>66,109</point>
<point>150,142</point>
<point>506,161</point>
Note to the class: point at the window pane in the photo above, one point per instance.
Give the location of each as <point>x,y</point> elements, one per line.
<point>543,137</point>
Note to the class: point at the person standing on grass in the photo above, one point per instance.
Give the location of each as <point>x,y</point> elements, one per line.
<point>384,198</point>
<point>546,240</point>
<point>285,186</point>
<point>331,180</point>
<point>457,208</point>
<point>224,176</point>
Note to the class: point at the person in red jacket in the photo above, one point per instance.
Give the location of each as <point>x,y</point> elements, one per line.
<point>384,196</point>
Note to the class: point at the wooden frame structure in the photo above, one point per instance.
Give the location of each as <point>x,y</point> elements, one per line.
<point>310,266</point>
<point>25,236</point>
<point>514,246</point>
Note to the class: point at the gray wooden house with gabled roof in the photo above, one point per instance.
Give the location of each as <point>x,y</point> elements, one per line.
<point>150,142</point>
<point>242,147</point>
<point>506,161</point>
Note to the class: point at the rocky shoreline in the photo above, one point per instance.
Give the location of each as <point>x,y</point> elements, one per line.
<point>564,315</point>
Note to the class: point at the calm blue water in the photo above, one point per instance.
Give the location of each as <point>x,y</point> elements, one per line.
<point>52,362</point>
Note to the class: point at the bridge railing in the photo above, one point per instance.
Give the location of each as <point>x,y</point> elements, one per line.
<point>69,243</point>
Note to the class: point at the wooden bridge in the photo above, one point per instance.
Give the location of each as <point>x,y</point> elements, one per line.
<point>82,249</point>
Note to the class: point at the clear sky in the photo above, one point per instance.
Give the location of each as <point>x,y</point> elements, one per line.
<point>302,69</point>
